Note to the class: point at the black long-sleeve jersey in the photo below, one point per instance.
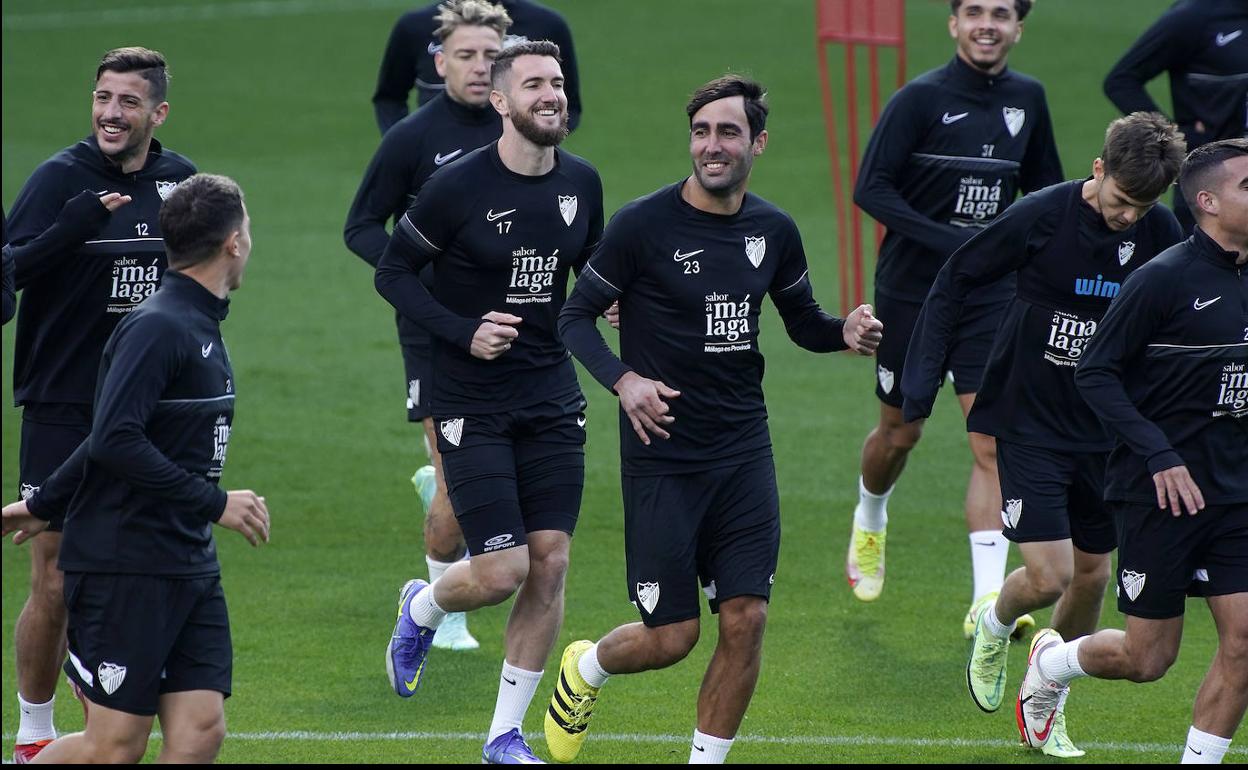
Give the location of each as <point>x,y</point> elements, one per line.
<point>439,133</point>
<point>1203,44</point>
<point>1069,266</point>
<point>1167,372</point>
<point>140,495</point>
<point>498,241</point>
<point>690,286</point>
<point>8,292</point>
<point>408,60</point>
<point>72,299</point>
<point>952,150</point>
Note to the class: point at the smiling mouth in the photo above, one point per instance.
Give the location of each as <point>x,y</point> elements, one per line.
<point>111,130</point>
<point>546,112</point>
<point>715,165</point>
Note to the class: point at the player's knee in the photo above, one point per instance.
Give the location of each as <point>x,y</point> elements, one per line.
<point>116,748</point>
<point>1095,575</point>
<point>47,588</point>
<point>674,642</point>
<point>1153,665</point>
<point>1050,580</point>
<point>903,437</point>
<point>744,624</point>
<point>200,743</point>
<point>499,586</point>
<point>984,450</point>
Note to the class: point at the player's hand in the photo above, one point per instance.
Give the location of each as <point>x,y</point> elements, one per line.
<point>642,400</point>
<point>114,201</point>
<point>863,331</point>
<point>17,518</point>
<point>1175,484</point>
<point>613,315</point>
<point>494,337</point>
<point>246,513</point>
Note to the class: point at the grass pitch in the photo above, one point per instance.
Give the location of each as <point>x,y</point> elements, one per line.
<point>276,94</point>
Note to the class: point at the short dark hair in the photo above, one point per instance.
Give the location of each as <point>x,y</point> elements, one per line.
<point>509,54</point>
<point>1022,7</point>
<point>149,64</point>
<point>198,216</point>
<point>1143,152</point>
<point>728,86</point>
<point>1202,166</point>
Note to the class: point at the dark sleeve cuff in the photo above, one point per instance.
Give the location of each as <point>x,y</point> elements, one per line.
<point>36,508</point>
<point>217,507</point>
<point>1164,461</point>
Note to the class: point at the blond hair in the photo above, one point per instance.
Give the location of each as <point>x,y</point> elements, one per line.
<point>454,14</point>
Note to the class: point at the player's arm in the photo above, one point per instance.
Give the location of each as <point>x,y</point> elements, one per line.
<point>1123,336</point>
<point>9,292</point>
<point>146,355</point>
<point>51,501</point>
<point>397,76</point>
<point>804,321</point>
<point>1041,166</point>
<point>994,252</point>
<point>878,192</point>
<point>1163,45</point>
<point>81,219</point>
<point>383,191</point>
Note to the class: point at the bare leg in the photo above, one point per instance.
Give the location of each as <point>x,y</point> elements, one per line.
<point>537,614</point>
<point>1223,696</point>
<point>1142,653</point>
<point>983,491</point>
<point>482,581</point>
<point>730,678</point>
<point>886,449</point>
<point>1078,612</point>
<point>40,633</point>
<point>193,725</point>
<point>111,737</point>
<point>1044,576</point>
<point>443,539</point>
<point>636,647</point>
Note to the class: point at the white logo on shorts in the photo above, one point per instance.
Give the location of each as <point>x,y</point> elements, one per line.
<point>1201,575</point>
<point>648,595</point>
<point>413,393</point>
<point>111,676</point>
<point>1012,513</point>
<point>1133,583</point>
<point>453,430</point>
<point>710,590</point>
<point>498,542</point>
<point>886,378</point>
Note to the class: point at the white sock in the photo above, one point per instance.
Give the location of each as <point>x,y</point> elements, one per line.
<point>708,750</point>
<point>591,670</point>
<point>989,550</point>
<point>515,692</point>
<point>36,720</point>
<point>871,514</point>
<point>424,611</point>
<point>1204,748</point>
<point>994,626</point>
<point>436,568</point>
<point>1061,663</point>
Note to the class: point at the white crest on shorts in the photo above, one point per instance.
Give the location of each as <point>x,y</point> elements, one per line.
<point>111,676</point>
<point>453,430</point>
<point>413,393</point>
<point>648,595</point>
<point>1015,117</point>
<point>1012,513</point>
<point>164,189</point>
<point>710,590</point>
<point>27,491</point>
<point>755,249</point>
<point>567,207</point>
<point>1133,583</point>
<point>1201,575</point>
<point>1126,250</point>
<point>886,378</point>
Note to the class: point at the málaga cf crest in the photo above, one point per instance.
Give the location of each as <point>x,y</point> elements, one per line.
<point>1126,250</point>
<point>567,207</point>
<point>1015,117</point>
<point>755,249</point>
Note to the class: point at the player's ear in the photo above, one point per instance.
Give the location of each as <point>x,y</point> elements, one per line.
<point>1098,169</point>
<point>1207,202</point>
<point>760,142</point>
<point>499,102</point>
<point>953,26</point>
<point>439,63</point>
<point>1018,34</point>
<point>161,114</point>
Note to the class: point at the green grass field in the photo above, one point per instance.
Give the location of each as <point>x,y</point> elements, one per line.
<point>276,94</point>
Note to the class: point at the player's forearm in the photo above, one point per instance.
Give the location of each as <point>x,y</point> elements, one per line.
<point>388,112</point>
<point>884,204</point>
<point>52,499</point>
<point>398,281</point>
<point>1101,387</point>
<point>125,451</point>
<point>579,331</point>
<point>1127,92</point>
<point>367,239</point>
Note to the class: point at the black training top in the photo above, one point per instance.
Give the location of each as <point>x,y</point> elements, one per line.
<point>498,241</point>
<point>441,132</point>
<point>1069,267</point>
<point>140,495</point>
<point>408,60</point>
<point>72,299</point>
<point>1203,44</point>
<point>952,150</point>
<point>690,286</point>
<point>1168,374</point>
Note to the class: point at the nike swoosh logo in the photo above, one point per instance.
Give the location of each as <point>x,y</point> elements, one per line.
<point>491,216</point>
<point>947,119</point>
<point>1194,751</point>
<point>682,257</point>
<point>1198,305</point>
<point>699,748</point>
<point>979,543</point>
<point>511,682</point>
<point>1223,39</point>
<point>440,159</point>
<point>206,349</point>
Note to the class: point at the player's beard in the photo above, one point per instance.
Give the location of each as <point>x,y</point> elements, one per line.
<point>138,140</point>
<point>527,125</point>
<point>724,186</point>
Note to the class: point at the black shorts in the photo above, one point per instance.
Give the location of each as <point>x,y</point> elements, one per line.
<point>418,373</point>
<point>718,528</point>
<point>516,472</point>
<point>1049,495</point>
<point>1162,559</point>
<point>968,352</point>
<point>50,434</point>
<point>133,638</point>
